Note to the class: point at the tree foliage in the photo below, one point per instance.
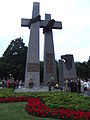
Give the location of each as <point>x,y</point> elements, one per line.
<point>83,69</point>
<point>14,59</point>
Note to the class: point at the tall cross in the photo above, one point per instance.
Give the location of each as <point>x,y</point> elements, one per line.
<point>49,54</point>
<point>32,63</point>
<point>32,72</point>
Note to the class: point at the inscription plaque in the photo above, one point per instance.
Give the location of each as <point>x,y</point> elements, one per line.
<point>32,67</point>
<point>49,63</point>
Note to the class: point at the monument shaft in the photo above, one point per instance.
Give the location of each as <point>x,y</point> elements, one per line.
<point>49,56</point>
<point>32,64</point>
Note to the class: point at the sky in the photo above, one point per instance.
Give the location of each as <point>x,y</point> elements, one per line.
<point>73,38</point>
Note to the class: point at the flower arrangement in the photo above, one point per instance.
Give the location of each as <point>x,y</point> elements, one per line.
<point>54,107</point>
<point>14,99</point>
<point>36,107</point>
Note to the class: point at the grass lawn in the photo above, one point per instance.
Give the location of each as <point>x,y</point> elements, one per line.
<point>16,111</point>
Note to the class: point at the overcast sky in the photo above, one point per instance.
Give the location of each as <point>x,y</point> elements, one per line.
<point>74,38</point>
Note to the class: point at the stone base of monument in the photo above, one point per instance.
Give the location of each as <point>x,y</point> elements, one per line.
<point>38,89</point>
<point>34,89</point>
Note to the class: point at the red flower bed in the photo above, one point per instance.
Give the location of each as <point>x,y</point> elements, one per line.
<point>37,108</point>
<point>14,99</point>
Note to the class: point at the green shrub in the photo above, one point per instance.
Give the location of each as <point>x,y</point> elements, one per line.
<point>55,99</point>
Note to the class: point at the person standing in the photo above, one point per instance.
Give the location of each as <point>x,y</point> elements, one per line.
<point>78,86</point>
<point>8,83</point>
<point>3,83</point>
<point>66,85</point>
<point>69,85</point>
<point>88,87</point>
<point>85,87</point>
<point>82,88</point>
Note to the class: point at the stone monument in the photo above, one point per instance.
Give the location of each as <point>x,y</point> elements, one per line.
<point>67,69</point>
<point>32,73</point>
<point>49,56</point>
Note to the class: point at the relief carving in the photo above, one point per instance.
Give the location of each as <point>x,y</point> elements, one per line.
<point>32,67</point>
<point>49,63</point>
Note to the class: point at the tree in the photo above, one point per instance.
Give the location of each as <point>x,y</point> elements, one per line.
<point>82,69</point>
<point>88,68</point>
<point>14,60</point>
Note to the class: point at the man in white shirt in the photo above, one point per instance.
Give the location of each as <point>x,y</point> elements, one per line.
<point>88,87</point>
<point>85,86</point>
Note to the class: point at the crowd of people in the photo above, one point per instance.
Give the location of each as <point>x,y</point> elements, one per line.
<point>11,83</point>
<point>78,85</point>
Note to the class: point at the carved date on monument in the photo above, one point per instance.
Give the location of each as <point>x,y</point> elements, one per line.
<point>32,67</point>
<point>49,63</point>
